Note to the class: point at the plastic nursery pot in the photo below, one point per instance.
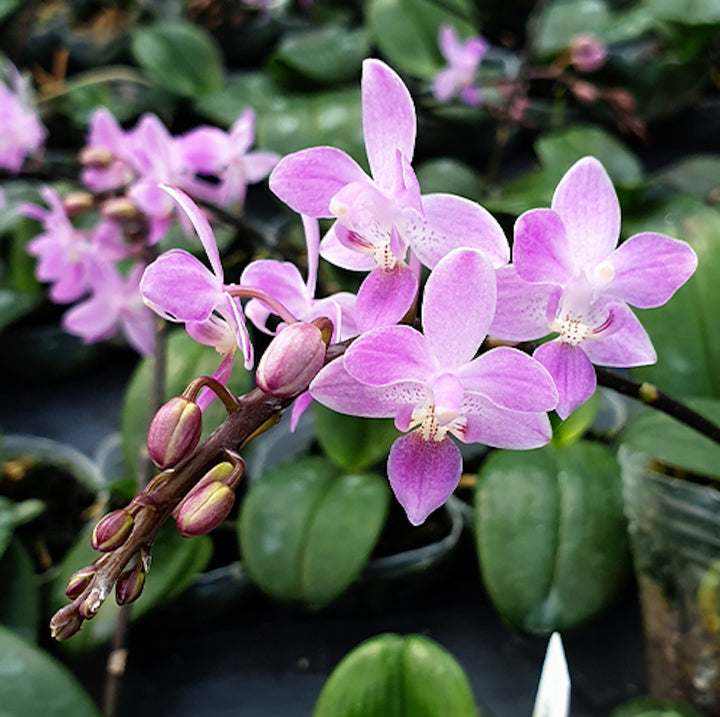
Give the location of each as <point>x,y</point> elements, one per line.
<point>68,483</point>
<point>674,528</point>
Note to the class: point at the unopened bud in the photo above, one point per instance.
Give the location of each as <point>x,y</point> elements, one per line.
<point>587,53</point>
<point>96,157</point>
<point>112,531</point>
<point>65,623</point>
<point>120,209</point>
<point>78,202</point>
<point>621,98</point>
<point>130,585</point>
<point>586,92</point>
<point>292,360</point>
<point>174,432</point>
<point>203,509</point>
<point>93,602</point>
<point>79,581</point>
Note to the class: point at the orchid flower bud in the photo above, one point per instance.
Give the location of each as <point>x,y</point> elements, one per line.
<point>112,531</point>
<point>174,431</point>
<point>96,157</point>
<point>120,209</point>
<point>79,581</point>
<point>292,360</point>
<point>130,584</point>
<point>78,202</point>
<point>587,53</point>
<point>204,509</point>
<point>65,623</point>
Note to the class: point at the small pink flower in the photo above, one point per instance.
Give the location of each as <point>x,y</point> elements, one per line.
<point>587,53</point>
<point>463,60</point>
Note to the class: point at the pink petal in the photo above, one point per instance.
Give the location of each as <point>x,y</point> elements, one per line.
<point>389,122</point>
<point>650,268</point>
<point>541,251</point>
<point>390,355</point>
<point>511,379</point>
<point>423,474</point>
<point>385,297</point>
<point>307,180</point>
<point>335,388</point>
<point>201,226</point>
<point>94,319</point>
<point>311,228</point>
<point>205,149</point>
<point>500,427</point>
<point>300,405</point>
<point>458,306</point>
<point>521,313</point>
<point>586,201</point>
<point>452,222</point>
<point>444,85</point>
<point>180,288</point>
<point>572,372</point>
<point>629,346</point>
<point>449,44</point>
<point>222,374</point>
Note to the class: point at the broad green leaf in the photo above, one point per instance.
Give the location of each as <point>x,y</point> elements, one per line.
<point>665,439</point>
<point>7,522</point>
<point>397,676</point>
<point>34,684</point>
<point>577,423</point>
<point>559,151</point>
<point>20,596</point>
<point>654,707</point>
<point>176,561</point>
<point>406,31</point>
<point>688,12</point>
<point>306,532</point>
<point>8,7</point>
<point>328,54</point>
<point>353,444</point>
<point>684,331</point>
<point>451,176</point>
<point>550,534</point>
<point>180,57</point>
<point>563,19</point>
<point>698,175</point>
<point>285,121</point>
<point>187,360</point>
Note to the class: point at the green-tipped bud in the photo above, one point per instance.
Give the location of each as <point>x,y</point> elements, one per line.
<point>130,585</point>
<point>174,432</point>
<point>291,360</point>
<point>204,508</point>
<point>112,531</point>
<point>79,581</point>
<point>65,623</point>
<point>120,209</point>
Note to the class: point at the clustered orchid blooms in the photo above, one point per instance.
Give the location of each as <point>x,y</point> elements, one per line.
<point>101,264</point>
<point>397,349</point>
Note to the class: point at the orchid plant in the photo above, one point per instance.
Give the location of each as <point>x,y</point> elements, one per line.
<point>421,357</point>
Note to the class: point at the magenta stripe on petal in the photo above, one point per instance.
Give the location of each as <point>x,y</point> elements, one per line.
<point>423,474</point>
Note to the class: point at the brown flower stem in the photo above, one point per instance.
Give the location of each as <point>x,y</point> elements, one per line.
<point>651,396</point>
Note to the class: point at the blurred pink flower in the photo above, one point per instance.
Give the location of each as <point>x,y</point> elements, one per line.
<point>463,58</point>
<point>587,53</point>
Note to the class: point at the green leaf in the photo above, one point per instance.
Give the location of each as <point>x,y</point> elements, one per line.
<point>286,122</point>
<point>353,444</point>
<point>180,57</point>
<point>665,439</point>
<point>306,533</point>
<point>406,31</point>
<point>327,55</point>
<point>20,596</point>
<point>577,423</point>
<point>176,561</point>
<point>559,151</point>
<point>563,19</point>
<point>451,176</point>
<point>7,522</point>
<point>550,534</point>
<point>8,7</point>
<point>397,676</point>
<point>698,175</point>
<point>187,360</point>
<point>34,684</point>
<point>683,330</point>
<point>688,12</point>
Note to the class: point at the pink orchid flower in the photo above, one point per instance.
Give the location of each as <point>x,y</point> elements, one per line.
<point>381,217</point>
<point>21,132</point>
<point>570,277</point>
<point>463,60</point>
<point>434,387</point>
<point>180,288</point>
